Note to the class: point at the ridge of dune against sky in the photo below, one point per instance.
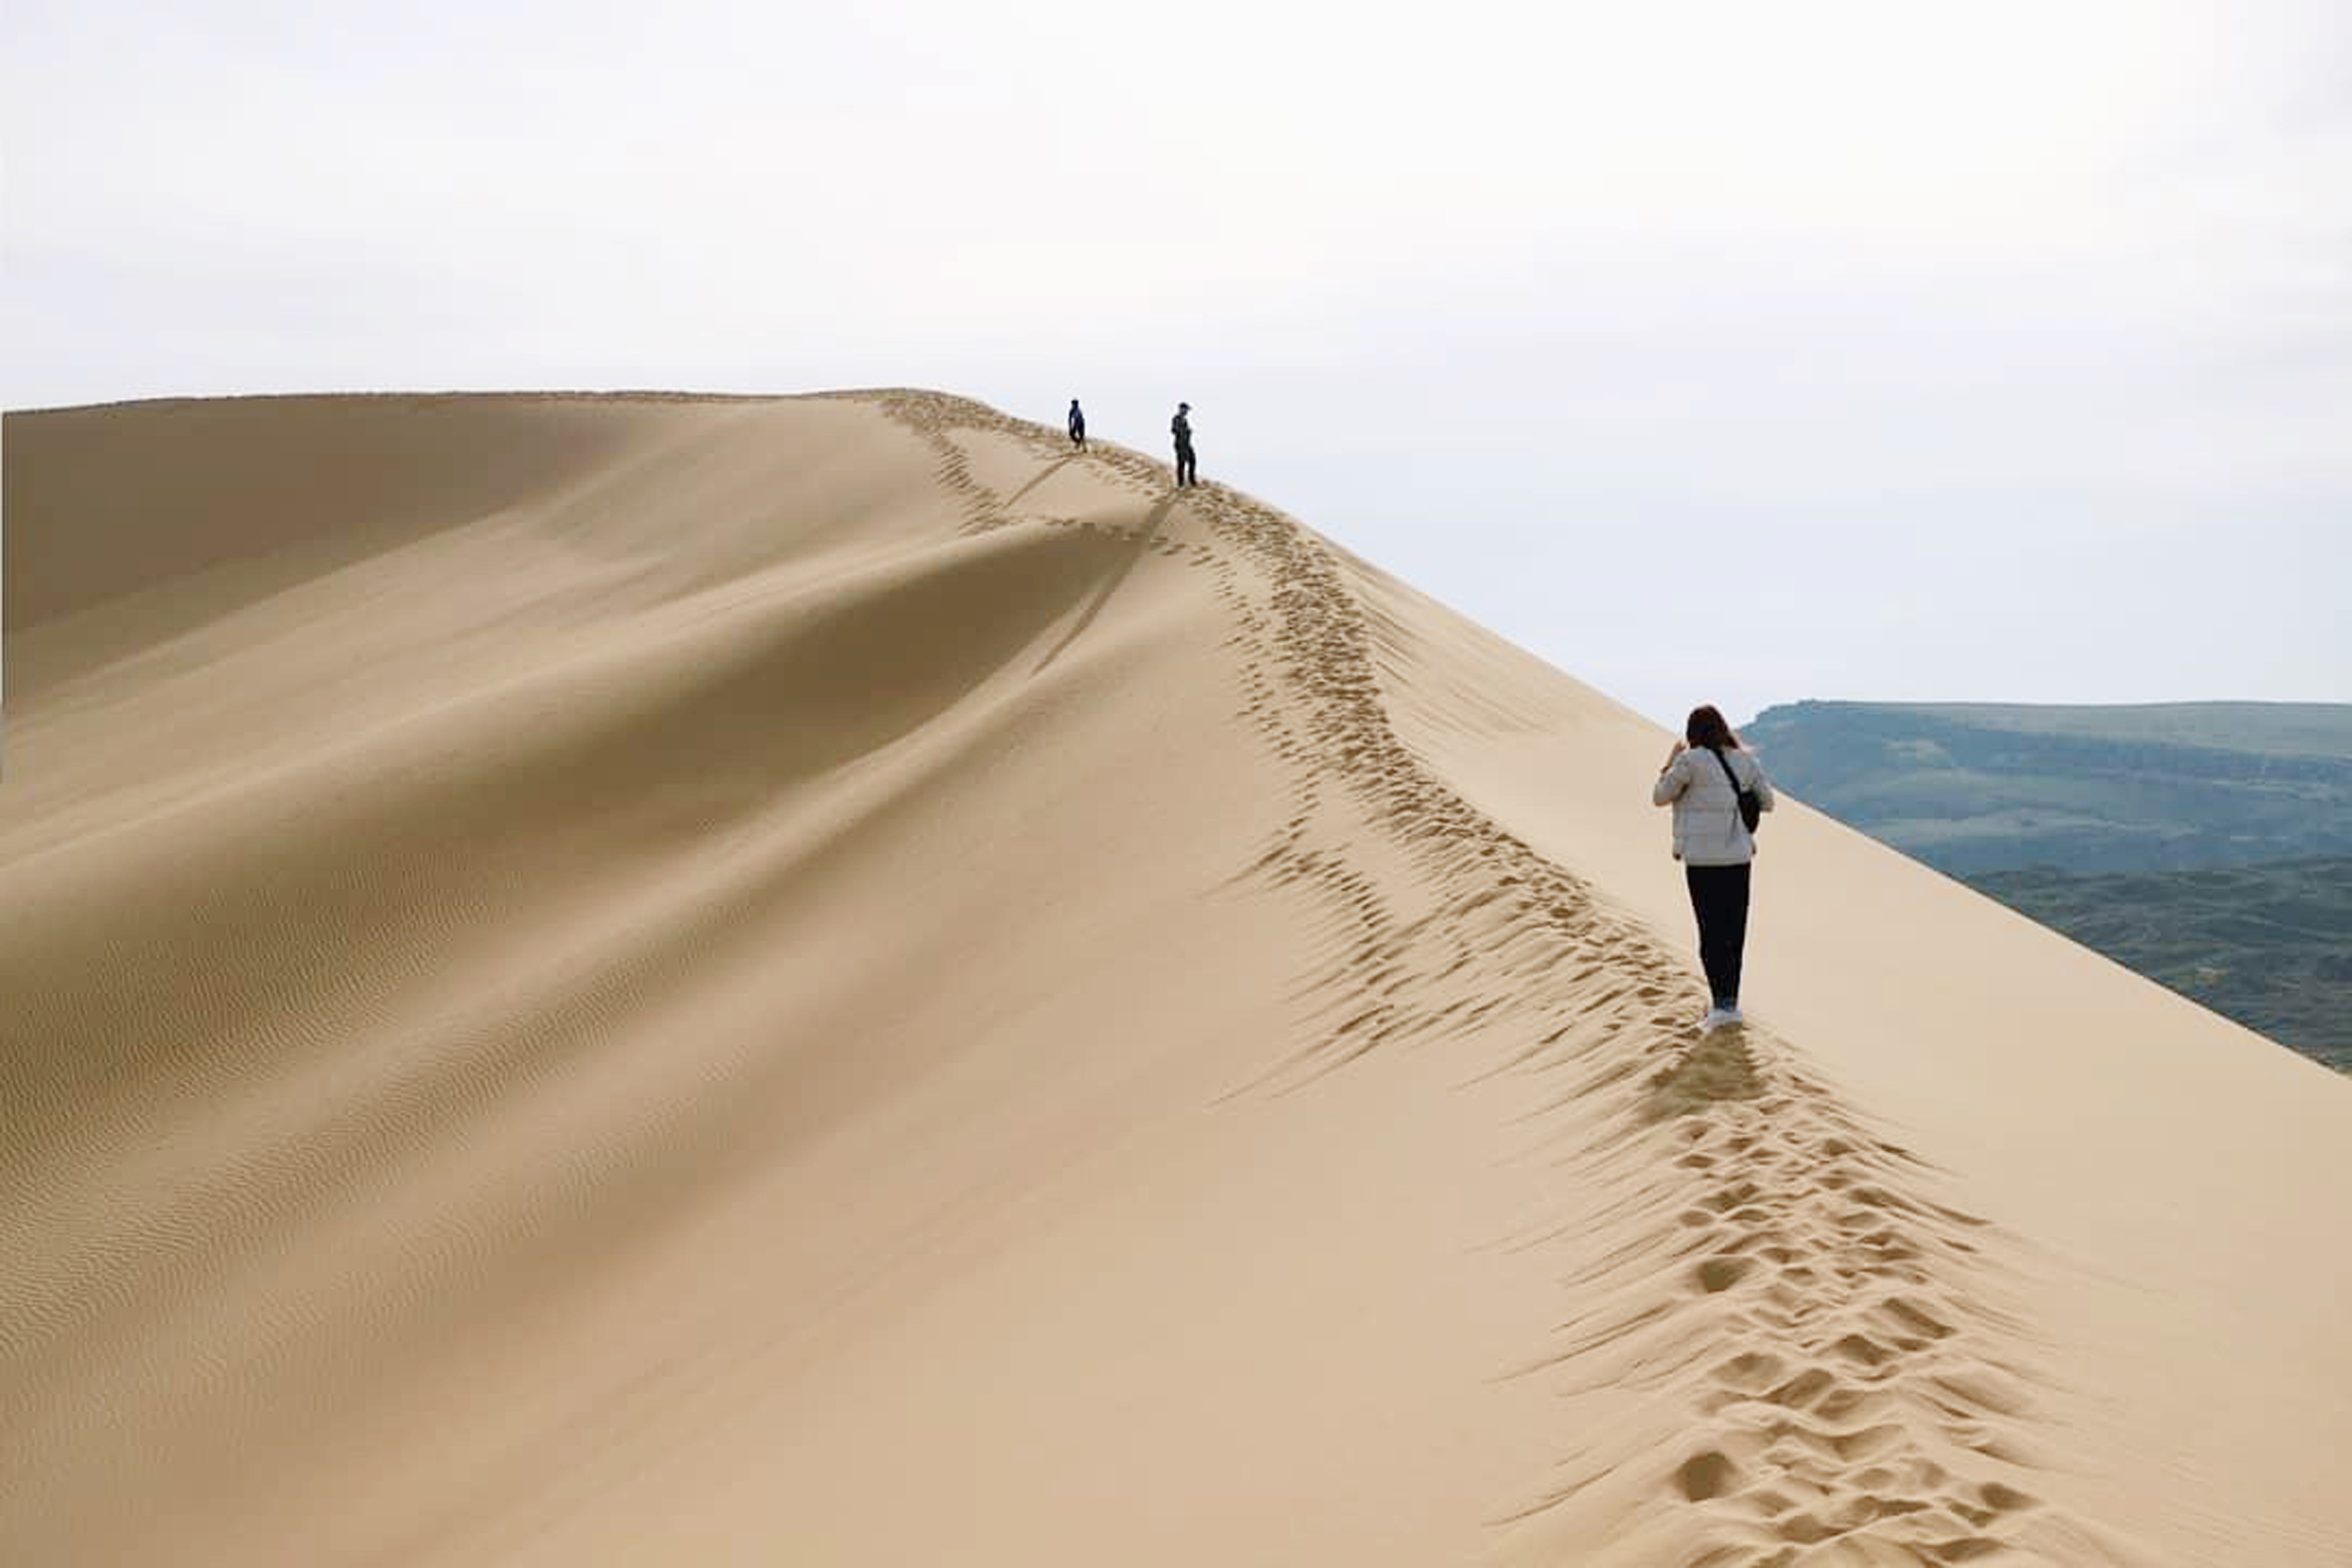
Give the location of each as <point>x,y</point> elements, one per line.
<point>1711,351</point>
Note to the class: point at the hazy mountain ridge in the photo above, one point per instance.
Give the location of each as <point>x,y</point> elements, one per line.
<point>1971,788</point>
<point>2204,846</point>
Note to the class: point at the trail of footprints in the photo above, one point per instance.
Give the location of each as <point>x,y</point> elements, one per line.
<point>1834,1333</point>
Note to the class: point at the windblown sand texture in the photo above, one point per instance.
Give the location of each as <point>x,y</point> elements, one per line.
<point>822,981</point>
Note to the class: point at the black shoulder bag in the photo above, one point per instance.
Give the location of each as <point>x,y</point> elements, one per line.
<point>1751,808</point>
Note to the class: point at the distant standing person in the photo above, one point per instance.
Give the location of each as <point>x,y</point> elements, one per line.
<point>1702,779</point>
<point>1188,468</point>
<point>1077,425</point>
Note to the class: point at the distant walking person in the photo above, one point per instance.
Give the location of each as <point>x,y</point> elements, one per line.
<point>1077,425</point>
<point>1716,787</point>
<point>1188,468</point>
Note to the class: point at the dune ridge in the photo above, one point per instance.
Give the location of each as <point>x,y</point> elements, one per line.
<point>594,1010</point>
<point>1848,1384</point>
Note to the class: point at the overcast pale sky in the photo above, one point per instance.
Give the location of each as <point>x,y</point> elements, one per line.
<point>1739,352</point>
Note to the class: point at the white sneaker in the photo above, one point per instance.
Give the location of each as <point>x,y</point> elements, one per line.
<point>1720,1018</point>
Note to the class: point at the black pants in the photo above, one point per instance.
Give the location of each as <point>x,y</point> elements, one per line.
<point>1718,897</point>
<point>1188,469</point>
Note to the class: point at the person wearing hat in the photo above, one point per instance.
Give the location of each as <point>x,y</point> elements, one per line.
<point>1077,425</point>
<point>1187,467</point>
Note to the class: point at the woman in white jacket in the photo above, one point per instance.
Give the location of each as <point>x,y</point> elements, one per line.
<point>1702,780</point>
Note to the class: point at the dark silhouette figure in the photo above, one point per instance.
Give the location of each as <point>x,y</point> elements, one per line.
<point>1077,425</point>
<point>1188,469</point>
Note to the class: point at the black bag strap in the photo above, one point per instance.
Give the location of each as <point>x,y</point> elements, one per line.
<point>1725,763</point>
<point>1746,806</point>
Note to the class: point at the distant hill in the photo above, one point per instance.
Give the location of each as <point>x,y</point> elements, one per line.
<point>1971,788</point>
<point>2205,845</point>
<point>2267,944</point>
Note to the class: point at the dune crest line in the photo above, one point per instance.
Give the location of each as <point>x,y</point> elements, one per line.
<point>1849,1384</point>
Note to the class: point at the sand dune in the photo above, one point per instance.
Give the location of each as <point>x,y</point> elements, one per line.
<point>822,980</point>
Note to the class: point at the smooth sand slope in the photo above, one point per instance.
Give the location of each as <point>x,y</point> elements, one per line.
<point>667,981</point>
